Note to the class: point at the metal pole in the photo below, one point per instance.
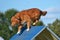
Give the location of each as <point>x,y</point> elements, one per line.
<point>53,33</point>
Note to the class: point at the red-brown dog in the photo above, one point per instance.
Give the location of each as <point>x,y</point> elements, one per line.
<point>27,16</point>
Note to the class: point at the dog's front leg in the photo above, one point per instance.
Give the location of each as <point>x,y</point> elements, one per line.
<point>19,29</point>
<point>35,22</point>
<point>28,26</point>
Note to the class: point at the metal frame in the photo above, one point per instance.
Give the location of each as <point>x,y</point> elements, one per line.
<point>39,32</point>
<point>53,33</point>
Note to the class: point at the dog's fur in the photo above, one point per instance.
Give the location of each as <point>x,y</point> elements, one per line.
<point>28,16</point>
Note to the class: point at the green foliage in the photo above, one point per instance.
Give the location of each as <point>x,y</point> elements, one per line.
<point>9,13</point>
<point>1,15</point>
<point>4,27</point>
<point>5,32</point>
<point>55,26</point>
<point>40,23</point>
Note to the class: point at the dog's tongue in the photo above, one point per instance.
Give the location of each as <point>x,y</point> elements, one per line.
<point>10,28</point>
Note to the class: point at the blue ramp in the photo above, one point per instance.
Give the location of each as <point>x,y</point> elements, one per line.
<point>30,35</point>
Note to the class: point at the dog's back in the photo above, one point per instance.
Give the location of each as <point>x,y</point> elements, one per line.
<point>32,13</point>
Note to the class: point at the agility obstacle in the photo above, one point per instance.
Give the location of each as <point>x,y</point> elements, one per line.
<point>30,35</point>
<point>34,32</point>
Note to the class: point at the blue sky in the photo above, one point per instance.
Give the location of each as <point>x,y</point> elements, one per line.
<point>52,7</point>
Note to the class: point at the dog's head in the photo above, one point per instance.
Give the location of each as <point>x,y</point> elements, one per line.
<point>14,21</point>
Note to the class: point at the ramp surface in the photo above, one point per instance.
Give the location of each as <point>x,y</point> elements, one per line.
<point>30,35</point>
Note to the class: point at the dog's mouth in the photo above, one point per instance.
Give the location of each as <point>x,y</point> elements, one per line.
<point>13,23</point>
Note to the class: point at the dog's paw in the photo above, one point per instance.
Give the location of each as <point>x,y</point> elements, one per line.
<point>27,29</point>
<point>34,23</point>
<point>18,32</point>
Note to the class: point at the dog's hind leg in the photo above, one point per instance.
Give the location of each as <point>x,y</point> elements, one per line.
<point>28,21</point>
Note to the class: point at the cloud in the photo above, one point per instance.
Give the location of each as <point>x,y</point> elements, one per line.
<point>49,16</point>
<point>52,12</point>
<point>53,9</point>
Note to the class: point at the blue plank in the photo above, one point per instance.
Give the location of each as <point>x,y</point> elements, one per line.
<point>30,35</point>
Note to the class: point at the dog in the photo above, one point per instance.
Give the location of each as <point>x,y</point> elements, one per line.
<point>27,16</point>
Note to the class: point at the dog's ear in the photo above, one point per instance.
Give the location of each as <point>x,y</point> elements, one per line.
<point>17,14</point>
<point>12,19</point>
